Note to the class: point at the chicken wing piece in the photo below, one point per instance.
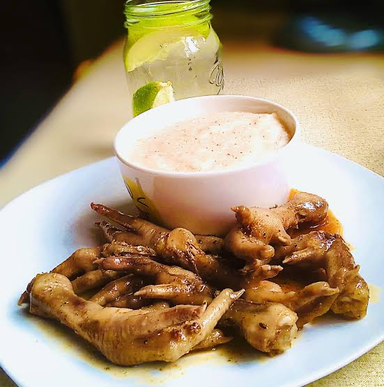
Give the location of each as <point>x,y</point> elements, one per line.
<point>114,290</point>
<point>257,229</point>
<point>124,336</point>
<point>322,250</point>
<point>172,282</point>
<point>269,327</point>
<point>176,247</point>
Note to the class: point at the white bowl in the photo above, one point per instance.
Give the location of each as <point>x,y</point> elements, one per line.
<point>202,201</point>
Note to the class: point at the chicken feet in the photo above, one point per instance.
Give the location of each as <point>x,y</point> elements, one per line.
<point>208,243</point>
<point>171,282</point>
<point>330,253</point>
<point>124,336</point>
<point>257,229</point>
<point>176,247</point>
<point>269,327</point>
<point>114,290</point>
<point>310,302</point>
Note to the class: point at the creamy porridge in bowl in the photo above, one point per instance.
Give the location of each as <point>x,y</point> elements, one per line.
<point>187,163</point>
<point>213,142</point>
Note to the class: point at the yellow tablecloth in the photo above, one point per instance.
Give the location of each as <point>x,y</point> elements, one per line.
<point>339,100</point>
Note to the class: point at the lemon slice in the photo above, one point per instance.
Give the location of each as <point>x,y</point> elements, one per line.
<point>157,46</point>
<point>151,95</point>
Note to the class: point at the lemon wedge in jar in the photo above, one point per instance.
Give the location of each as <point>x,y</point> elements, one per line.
<point>151,95</point>
<point>157,46</point>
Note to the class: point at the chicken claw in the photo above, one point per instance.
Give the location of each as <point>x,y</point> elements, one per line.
<point>129,301</point>
<point>176,247</point>
<point>210,244</point>
<point>114,290</point>
<point>80,261</point>
<point>215,338</point>
<point>180,247</point>
<point>122,248</point>
<point>310,302</point>
<point>124,336</point>
<point>83,261</point>
<point>94,279</point>
<point>257,229</point>
<point>269,327</point>
<point>172,282</point>
<point>207,243</point>
<point>329,252</point>
<point>257,289</point>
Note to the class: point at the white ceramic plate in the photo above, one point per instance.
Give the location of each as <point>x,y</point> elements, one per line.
<point>42,227</point>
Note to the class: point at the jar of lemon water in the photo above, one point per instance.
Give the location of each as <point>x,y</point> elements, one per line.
<point>171,52</point>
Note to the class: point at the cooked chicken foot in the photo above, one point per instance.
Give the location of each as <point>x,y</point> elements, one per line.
<point>215,338</point>
<point>208,243</point>
<point>124,336</point>
<point>269,327</point>
<point>178,246</point>
<point>130,301</point>
<point>258,289</point>
<point>94,279</point>
<point>329,252</point>
<point>171,282</point>
<point>310,302</point>
<point>148,231</point>
<point>81,261</point>
<point>257,229</point>
<point>123,248</point>
<point>114,290</point>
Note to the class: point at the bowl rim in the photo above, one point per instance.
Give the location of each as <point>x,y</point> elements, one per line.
<point>221,172</point>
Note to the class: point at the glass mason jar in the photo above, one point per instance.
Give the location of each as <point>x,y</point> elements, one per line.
<point>172,48</point>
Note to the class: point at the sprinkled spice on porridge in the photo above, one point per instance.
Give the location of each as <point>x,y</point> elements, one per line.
<point>213,142</point>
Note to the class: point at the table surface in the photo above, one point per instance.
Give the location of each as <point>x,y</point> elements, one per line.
<point>339,100</point>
